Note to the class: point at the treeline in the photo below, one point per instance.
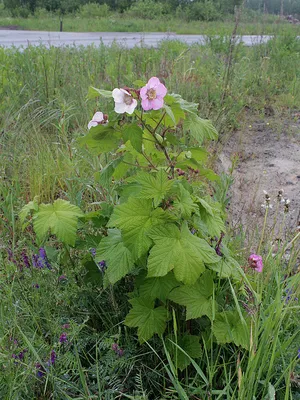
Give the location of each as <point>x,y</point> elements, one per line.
<point>191,10</point>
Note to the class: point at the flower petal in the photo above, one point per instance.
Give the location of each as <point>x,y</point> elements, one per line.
<point>120,108</point>
<point>161,90</point>
<point>98,117</point>
<point>118,95</point>
<point>146,104</point>
<point>153,82</point>
<point>157,103</point>
<point>92,123</point>
<point>131,107</point>
<point>143,92</point>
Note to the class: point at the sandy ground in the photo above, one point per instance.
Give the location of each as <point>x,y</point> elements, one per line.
<point>268,153</point>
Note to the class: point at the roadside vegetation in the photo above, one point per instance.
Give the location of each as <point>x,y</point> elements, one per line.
<point>69,305</point>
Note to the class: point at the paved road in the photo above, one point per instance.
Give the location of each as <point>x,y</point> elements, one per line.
<point>9,38</point>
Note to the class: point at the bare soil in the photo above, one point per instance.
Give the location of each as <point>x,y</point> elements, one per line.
<point>268,153</point>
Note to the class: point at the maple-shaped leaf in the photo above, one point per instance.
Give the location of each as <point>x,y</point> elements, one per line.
<point>60,218</point>
<point>158,288</point>
<point>117,257</point>
<point>180,251</point>
<point>133,133</point>
<point>184,202</point>
<point>199,128</point>
<point>189,344</point>
<point>196,298</point>
<point>228,328</point>
<point>101,139</point>
<point>135,218</point>
<point>210,220</point>
<point>28,208</point>
<point>153,187</point>
<point>146,318</point>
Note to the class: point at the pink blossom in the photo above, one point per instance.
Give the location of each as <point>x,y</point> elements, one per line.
<point>255,262</point>
<point>124,102</point>
<point>98,118</point>
<point>153,94</point>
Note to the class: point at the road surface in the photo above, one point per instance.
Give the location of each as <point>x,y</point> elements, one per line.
<point>10,38</point>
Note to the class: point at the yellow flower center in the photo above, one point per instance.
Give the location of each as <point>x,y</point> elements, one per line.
<point>151,94</point>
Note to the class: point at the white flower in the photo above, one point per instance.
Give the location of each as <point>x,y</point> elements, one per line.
<point>124,102</point>
<point>97,119</point>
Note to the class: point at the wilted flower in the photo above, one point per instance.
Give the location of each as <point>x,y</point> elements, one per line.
<point>153,94</point>
<point>286,203</point>
<point>98,119</point>
<point>25,259</point>
<point>279,195</point>
<point>124,102</point>
<point>255,262</point>
<point>53,357</point>
<point>66,326</point>
<point>267,201</point>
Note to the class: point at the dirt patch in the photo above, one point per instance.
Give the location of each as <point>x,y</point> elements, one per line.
<point>10,27</point>
<point>268,154</point>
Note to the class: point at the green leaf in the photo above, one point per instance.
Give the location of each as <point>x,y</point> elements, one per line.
<point>134,134</point>
<point>184,202</point>
<point>189,344</point>
<point>210,220</point>
<point>199,128</point>
<point>196,298</point>
<point>147,319</point>
<point>153,187</point>
<point>117,257</point>
<point>158,288</point>
<point>179,251</point>
<point>94,92</point>
<point>174,114</point>
<point>228,328</point>
<point>226,267</point>
<point>93,275</point>
<point>107,172</point>
<point>101,139</point>
<point>185,105</point>
<point>60,218</point>
<point>31,206</point>
<point>135,218</point>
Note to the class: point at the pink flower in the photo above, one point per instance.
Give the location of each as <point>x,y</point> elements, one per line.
<point>255,262</point>
<point>153,94</point>
<point>98,118</point>
<point>124,102</point>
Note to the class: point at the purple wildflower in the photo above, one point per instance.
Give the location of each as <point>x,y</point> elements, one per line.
<point>35,285</point>
<point>62,278</point>
<point>63,338</point>
<point>120,352</point>
<point>53,357</point>
<point>299,353</point>
<point>11,256</point>
<point>115,347</point>
<point>102,265</point>
<point>93,252</point>
<point>255,262</point>
<point>40,370</point>
<point>25,259</point>
<point>66,326</point>
<point>40,260</point>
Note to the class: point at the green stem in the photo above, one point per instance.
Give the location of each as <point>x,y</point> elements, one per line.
<point>263,230</point>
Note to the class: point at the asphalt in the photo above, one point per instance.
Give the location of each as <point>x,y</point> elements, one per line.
<point>22,39</point>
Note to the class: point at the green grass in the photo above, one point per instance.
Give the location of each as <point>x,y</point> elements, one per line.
<point>43,110</point>
<point>116,23</point>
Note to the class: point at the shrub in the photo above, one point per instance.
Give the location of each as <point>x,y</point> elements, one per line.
<point>200,11</point>
<point>147,9</point>
<point>92,10</point>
